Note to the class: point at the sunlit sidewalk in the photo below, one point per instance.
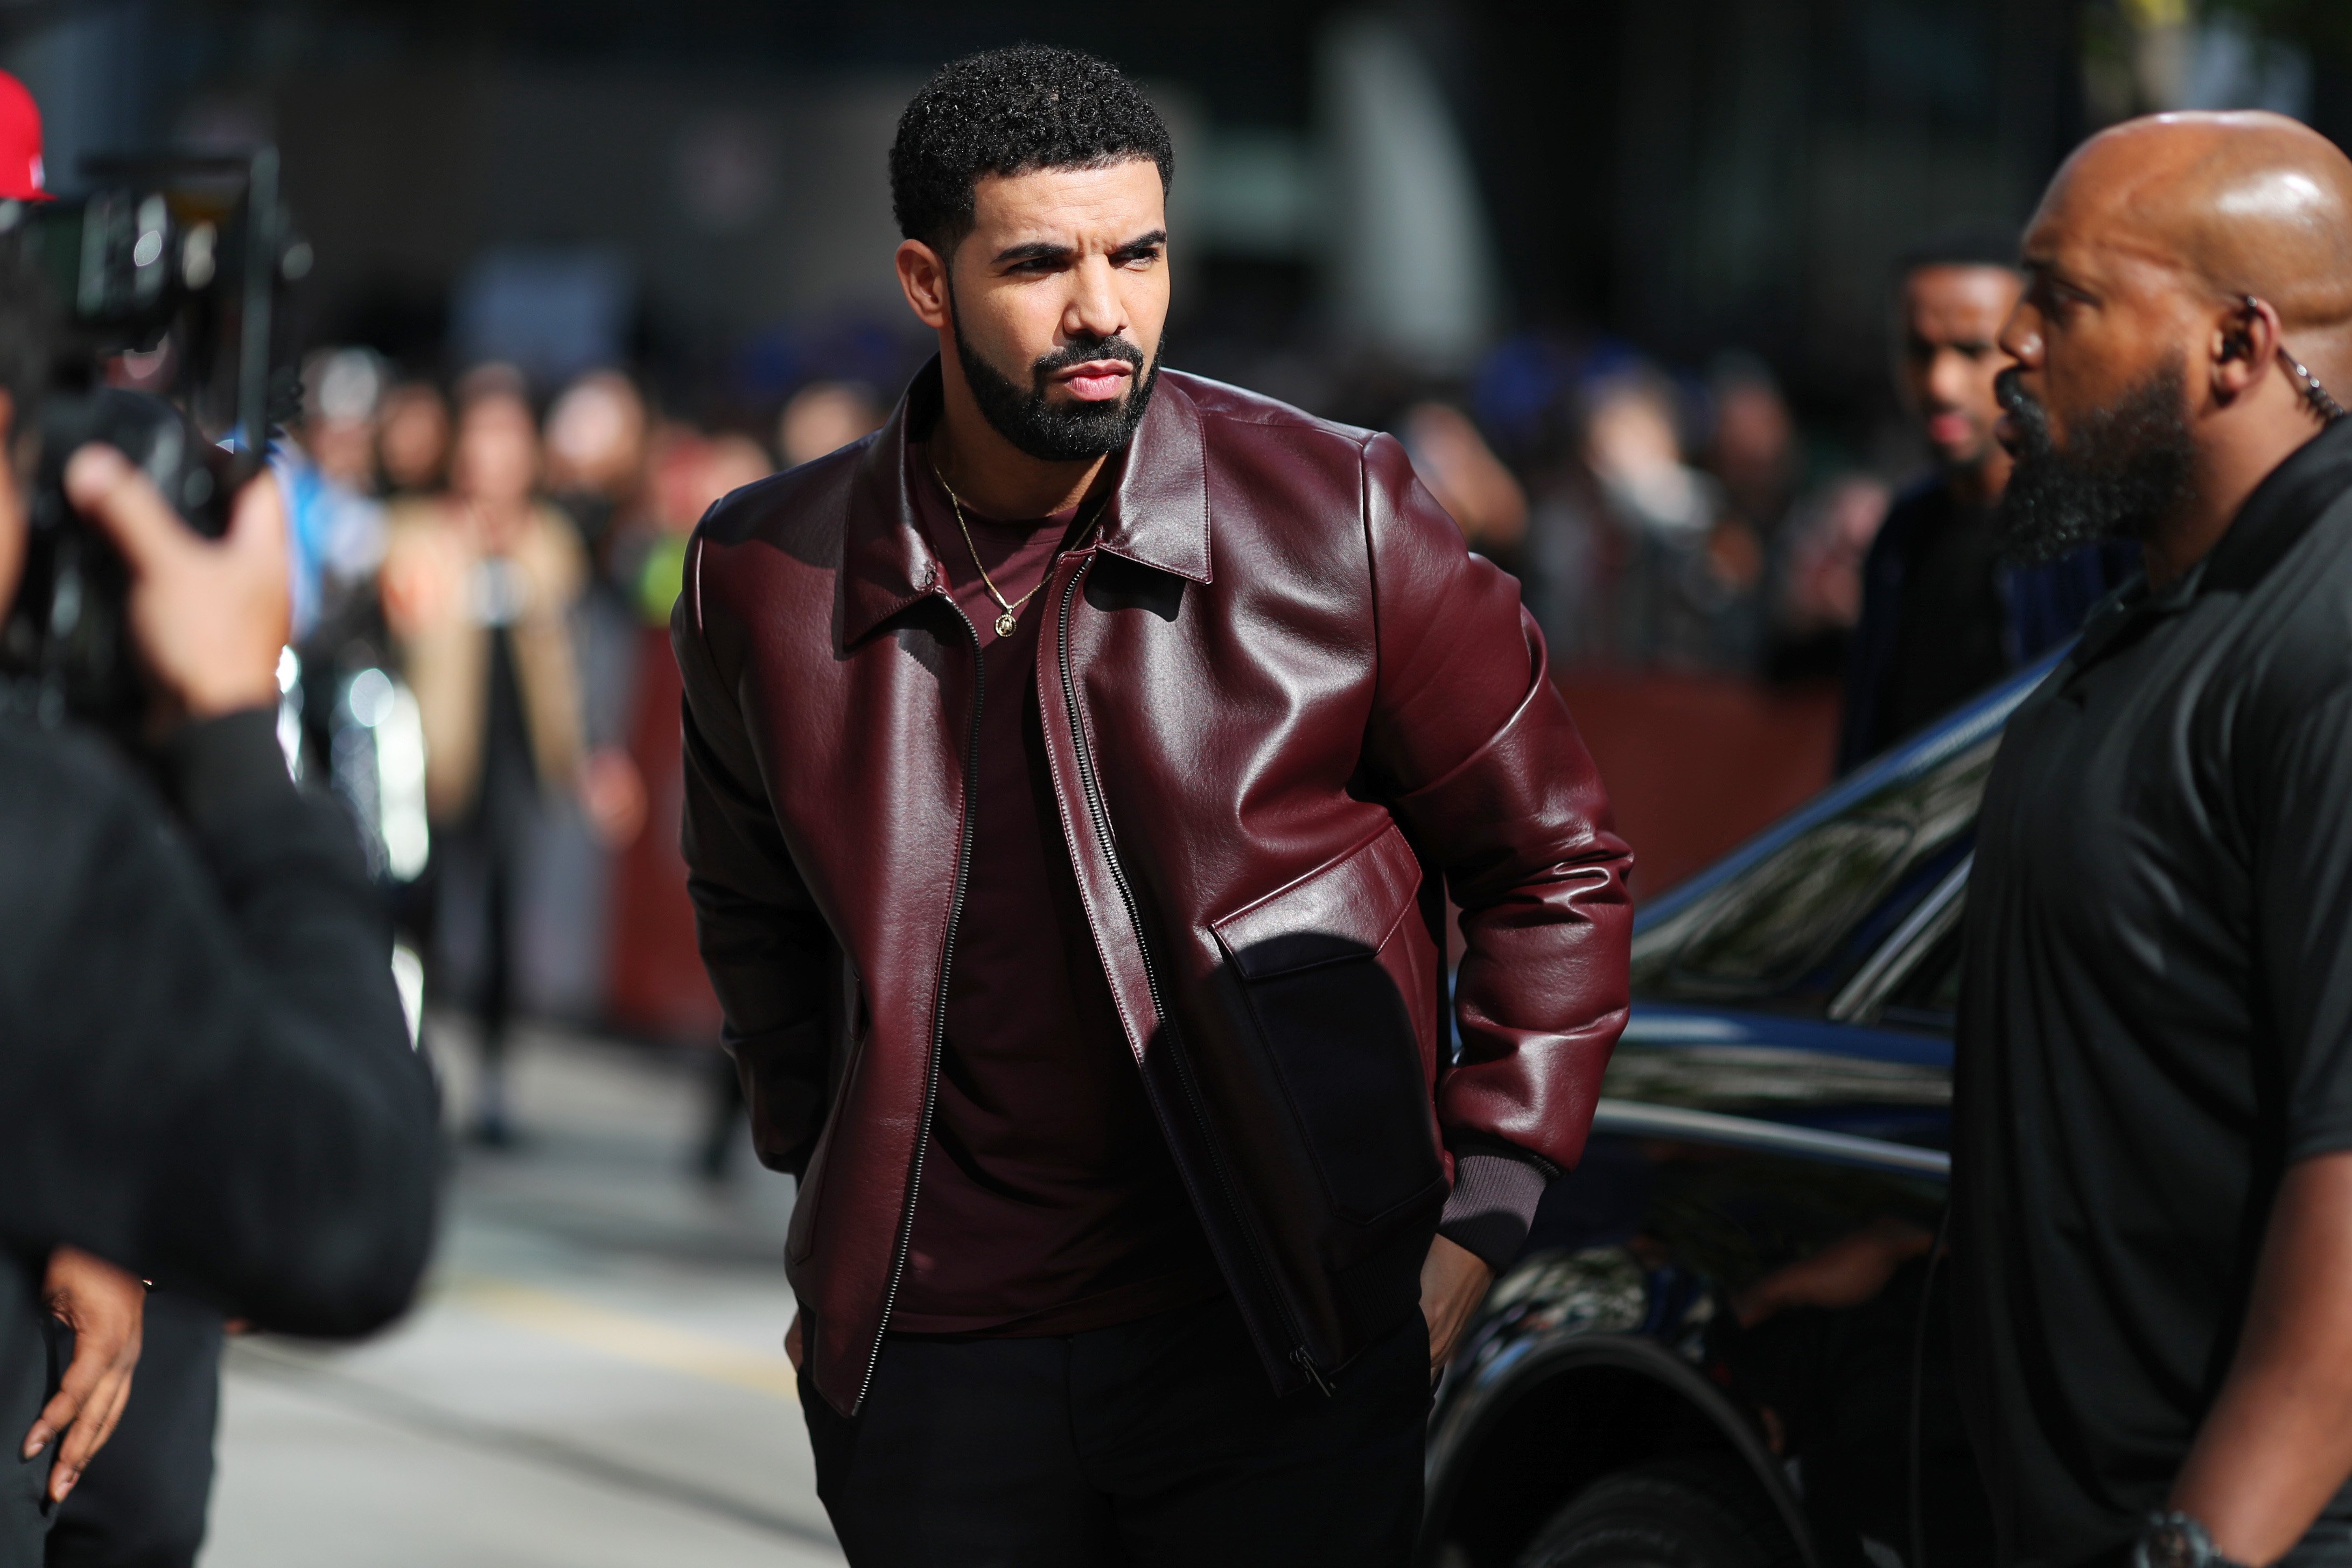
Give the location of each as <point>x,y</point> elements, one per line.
<point>594,1376</point>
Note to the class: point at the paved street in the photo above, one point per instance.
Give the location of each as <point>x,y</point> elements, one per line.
<point>594,1374</point>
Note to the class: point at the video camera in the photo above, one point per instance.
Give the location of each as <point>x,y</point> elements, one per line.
<point>168,286</point>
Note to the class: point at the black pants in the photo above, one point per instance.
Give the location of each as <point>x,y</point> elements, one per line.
<point>141,1502</point>
<point>32,1357</point>
<point>1157,1442</point>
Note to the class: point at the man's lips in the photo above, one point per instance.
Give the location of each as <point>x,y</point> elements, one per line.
<point>1097,381</point>
<point>1951,429</point>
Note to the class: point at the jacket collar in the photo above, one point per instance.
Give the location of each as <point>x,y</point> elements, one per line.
<point>1157,517</point>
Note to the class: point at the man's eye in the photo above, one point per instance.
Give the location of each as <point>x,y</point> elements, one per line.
<point>2052,301</point>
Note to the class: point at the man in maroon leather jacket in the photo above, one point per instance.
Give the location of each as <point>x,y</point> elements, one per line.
<point>1076,771</point>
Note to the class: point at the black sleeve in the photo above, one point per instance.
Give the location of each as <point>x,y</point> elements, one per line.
<point>205,1071</point>
<point>1496,1188</point>
<point>762,939</point>
<point>2302,911</point>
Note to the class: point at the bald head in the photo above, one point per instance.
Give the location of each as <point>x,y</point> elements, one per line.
<point>2232,203</point>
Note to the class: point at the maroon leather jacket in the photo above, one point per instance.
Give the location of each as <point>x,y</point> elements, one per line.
<point>1285,712</point>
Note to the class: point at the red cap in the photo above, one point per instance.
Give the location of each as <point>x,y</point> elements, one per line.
<point>20,143</point>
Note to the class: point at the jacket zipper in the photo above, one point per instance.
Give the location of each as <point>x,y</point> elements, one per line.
<point>1100,815</point>
<point>939,1011</point>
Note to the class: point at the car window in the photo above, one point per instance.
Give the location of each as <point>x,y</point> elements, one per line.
<point>1792,923</point>
<point>1929,996</point>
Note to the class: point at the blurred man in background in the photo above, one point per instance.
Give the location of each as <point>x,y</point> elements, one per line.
<point>1682,567</point>
<point>596,436</point>
<point>2152,1138</point>
<point>411,440</point>
<point>328,478</point>
<point>479,586</point>
<point>1944,616</point>
<point>1485,499</point>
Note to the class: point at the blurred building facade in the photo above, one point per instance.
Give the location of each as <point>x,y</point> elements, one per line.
<point>1405,182</point>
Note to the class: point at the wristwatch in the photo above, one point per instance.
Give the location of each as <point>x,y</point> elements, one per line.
<point>2175,1540</point>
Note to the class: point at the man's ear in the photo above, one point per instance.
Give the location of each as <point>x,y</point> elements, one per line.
<point>923,279</point>
<point>2243,343</point>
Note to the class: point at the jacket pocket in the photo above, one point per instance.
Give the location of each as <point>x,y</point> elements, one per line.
<point>1336,1029</point>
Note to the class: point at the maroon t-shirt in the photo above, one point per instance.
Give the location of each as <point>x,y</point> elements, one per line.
<point>1048,1203</point>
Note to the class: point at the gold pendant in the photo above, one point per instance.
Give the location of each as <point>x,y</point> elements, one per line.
<point>1004,625</point>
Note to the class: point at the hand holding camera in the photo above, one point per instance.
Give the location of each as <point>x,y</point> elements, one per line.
<point>208,616</point>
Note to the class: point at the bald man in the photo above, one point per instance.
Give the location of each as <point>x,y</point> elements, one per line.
<point>2153,1145</point>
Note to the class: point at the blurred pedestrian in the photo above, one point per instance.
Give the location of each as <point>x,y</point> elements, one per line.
<point>1944,614</point>
<point>411,440</point>
<point>656,987</point>
<point>479,586</point>
<point>1817,593</point>
<point>2152,1148</point>
<point>825,417</point>
<point>596,434</point>
<point>1482,496</point>
<point>1751,448</point>
<point>1684,571</point>
<point>1050,760</point>
<point>329,479</point>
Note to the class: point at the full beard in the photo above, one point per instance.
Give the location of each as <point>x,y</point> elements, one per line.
<point>1057,432</point>
<point>2125,468</point>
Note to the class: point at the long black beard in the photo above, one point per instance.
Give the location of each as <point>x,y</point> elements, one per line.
<point>2124,470</point>
<point>1052,432</point>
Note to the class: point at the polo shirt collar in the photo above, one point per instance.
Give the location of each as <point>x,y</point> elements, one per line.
<point>2280,511</point>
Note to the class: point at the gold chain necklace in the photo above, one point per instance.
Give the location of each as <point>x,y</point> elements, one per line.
<point>1009,608</point>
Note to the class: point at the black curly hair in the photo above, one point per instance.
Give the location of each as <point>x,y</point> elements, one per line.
<point>1011,112</point>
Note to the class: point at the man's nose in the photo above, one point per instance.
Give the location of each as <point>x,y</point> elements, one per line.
<point>2021,336</point>
<point>1094,311</point>
<point>1947,378</point>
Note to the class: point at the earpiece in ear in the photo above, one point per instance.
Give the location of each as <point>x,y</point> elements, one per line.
<point>2240,344</point>
<point>2323,403</point>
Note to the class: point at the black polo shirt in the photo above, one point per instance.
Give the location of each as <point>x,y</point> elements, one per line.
<point>2156,1016</point>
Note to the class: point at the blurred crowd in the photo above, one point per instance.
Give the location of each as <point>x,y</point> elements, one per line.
<point>483,590</point>
<point>1654,521</point>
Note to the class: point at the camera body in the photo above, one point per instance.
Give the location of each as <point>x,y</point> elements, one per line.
<point>169,289</point>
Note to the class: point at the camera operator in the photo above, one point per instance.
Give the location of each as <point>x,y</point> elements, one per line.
<point>206,1079</point>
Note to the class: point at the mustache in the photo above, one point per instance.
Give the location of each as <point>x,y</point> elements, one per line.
<point>2009,389</point>
<point>1085,351</point>
<point>2029,418</point>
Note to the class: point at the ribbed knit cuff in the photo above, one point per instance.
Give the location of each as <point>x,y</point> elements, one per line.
<point>226,764</point>
<point>1493,1203</point>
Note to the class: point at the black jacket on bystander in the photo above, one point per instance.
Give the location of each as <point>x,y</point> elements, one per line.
<point>206,1076</point>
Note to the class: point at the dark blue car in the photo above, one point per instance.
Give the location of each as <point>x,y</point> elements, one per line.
<point>1727,1345</point>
